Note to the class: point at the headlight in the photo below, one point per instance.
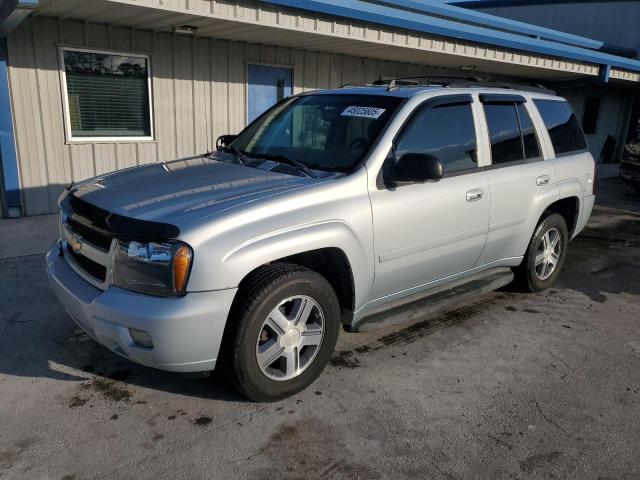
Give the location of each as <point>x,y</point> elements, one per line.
<point>153,268</point>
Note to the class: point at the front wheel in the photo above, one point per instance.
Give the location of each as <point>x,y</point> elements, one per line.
<point>545,256</point>
<point>282,332</point>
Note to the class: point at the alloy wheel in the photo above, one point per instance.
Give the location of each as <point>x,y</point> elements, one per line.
<point>548,253</point>
<point>290,338</point>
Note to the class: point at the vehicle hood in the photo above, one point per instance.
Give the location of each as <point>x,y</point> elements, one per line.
<point>173,192</point>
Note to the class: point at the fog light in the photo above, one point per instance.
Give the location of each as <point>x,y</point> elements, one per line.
<point>141,338</point>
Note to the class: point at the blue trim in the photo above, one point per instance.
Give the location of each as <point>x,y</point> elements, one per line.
<point>12,12</point>
<point>8,154</point>
<point>486,20</point>
<point>409,20</point>
<point>518,3</point>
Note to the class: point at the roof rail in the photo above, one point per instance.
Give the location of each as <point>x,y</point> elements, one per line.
<point>526,87</point>
<point>453,81</point>
<point>422,81</point>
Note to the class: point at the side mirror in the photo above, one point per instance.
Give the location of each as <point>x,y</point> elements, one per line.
<point>224,141</point>
<point>417,168</point>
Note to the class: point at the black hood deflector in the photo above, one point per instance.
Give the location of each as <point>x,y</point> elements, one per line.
<point>114,225</point>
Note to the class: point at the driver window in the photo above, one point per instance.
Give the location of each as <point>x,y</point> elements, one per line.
<point>446,132</point>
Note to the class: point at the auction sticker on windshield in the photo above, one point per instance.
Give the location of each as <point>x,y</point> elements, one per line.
<point>364,112</point>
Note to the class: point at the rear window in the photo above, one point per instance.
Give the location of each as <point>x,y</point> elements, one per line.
<point>563,126</point>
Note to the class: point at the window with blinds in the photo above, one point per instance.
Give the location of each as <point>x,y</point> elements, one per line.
<point>108,94</point>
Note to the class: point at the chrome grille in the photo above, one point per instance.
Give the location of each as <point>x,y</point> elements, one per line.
<point>90,235</point>
<point>88,252</point>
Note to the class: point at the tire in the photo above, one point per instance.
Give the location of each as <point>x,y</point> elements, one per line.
<point>256,332</point>
<point>531,275</point>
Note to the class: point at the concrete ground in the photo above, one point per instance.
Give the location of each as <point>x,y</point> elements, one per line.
<point>505,386</point>
<point>20,237</point>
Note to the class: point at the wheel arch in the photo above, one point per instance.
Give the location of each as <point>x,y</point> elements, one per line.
<point>568,208</point>
<point>331,249</point>
<point>332,263</point>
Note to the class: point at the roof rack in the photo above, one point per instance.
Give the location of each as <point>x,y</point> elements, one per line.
<point>453,81</point>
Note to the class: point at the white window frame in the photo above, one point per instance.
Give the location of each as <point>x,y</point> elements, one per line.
<point>65,98</point>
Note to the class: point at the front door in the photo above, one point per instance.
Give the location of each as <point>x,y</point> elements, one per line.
<point>267,86</point>
<point>428,231</point>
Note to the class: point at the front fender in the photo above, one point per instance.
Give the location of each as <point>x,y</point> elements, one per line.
<point>248,256</point>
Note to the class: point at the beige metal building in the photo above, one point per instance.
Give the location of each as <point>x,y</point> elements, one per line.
<point>94,86</point>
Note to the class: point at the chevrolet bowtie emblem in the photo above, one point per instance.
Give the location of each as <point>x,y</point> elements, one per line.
<point>73,242</point>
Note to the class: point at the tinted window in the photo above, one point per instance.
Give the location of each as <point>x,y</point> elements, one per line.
<point>529,137</point>
<point>564,129</point>
<point>446,132</point>
<point>504,132</point>
<point>107,94</point>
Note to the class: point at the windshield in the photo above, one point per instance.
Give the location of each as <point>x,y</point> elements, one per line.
<point>324,132</point>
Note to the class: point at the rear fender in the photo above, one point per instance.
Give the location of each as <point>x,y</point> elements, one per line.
<point>542,202</point>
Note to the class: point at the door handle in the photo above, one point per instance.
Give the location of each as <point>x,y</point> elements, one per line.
<point>542,180</point>
<point>474,195</point>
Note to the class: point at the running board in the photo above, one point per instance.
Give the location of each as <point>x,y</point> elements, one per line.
<point>448,294</point>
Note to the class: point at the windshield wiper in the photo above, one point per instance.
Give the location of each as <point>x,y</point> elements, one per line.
<point>297,164</point>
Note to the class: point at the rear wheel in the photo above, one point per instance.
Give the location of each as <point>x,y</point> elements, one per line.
<point>545,256</point>
<point>282,333</point>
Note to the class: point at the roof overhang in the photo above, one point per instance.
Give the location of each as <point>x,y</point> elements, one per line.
<point>360,28</point>
<point>12,12</point>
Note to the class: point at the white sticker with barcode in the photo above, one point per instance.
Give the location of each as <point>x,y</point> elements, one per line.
<point>364,112</point>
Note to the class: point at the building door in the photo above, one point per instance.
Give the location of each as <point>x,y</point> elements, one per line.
<point>267,86</point>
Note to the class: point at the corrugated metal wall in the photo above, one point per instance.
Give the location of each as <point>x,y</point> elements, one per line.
<point>199,93</point>
<point>612,117</point>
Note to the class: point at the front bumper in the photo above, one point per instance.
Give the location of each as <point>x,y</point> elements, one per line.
<point>186,332</point>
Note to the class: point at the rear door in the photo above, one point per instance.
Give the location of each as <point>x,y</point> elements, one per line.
<point>519,177</point>
<point>427,231</point>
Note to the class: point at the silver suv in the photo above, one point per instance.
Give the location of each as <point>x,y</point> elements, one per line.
<point>332,209</point>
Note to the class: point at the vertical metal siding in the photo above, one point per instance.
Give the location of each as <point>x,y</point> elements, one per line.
<point>611,117</point>
<point>199,93</point>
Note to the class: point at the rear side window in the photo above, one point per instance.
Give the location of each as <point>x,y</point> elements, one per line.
<point>563,126</point>
<point>529,137</point>
<point>511,131</point>
<point>446,131</point>
<point>504,132</point>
